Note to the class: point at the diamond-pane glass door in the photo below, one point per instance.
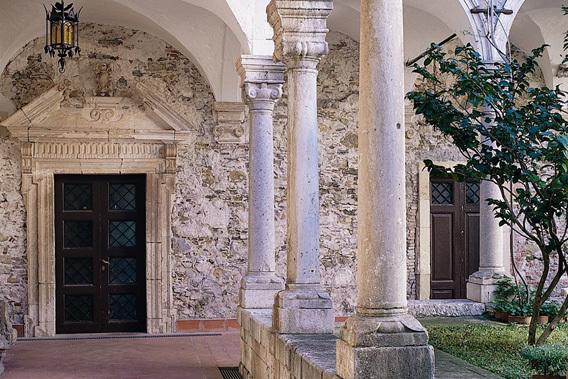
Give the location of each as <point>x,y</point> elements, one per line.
<point>100,253</point>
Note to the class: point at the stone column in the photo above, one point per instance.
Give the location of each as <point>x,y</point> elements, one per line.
<point>382,340</point>
<point>261,80</point>
<point>299,36</point>
<point>482,283</point>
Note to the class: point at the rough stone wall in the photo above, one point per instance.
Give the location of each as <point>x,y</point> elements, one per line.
<point>13,274</point>
<point>209,219</point>
<point>210,229</point>
<point>211,183</point>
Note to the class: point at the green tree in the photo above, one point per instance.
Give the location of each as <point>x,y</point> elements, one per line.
<point>513,135</point>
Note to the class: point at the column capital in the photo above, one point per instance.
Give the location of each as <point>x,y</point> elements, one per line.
<point>299,29</point>
<point>258,69</point>
<point>261,80</point>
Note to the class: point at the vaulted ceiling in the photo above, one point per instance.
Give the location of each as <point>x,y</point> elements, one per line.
<point>213,33</point>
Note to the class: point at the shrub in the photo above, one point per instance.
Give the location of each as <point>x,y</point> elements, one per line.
<point>550,308</point>
<point>548,359</point>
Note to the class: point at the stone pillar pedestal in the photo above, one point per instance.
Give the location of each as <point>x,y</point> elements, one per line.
<point>262,81</point>
<point>384,347</point>
<point>382,340</point>
<point>482,284</point>
<point>299,36</point>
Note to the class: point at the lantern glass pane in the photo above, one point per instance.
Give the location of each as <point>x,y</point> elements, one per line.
<point>68,33</point>
<point>56,33</point>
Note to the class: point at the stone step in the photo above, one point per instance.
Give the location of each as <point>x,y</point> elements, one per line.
<point>446,308</point>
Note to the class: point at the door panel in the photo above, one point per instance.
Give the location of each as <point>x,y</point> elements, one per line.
<point>454,236</point>
<point>100,253</point>
<point>472,242</point>
<point>443,227</point>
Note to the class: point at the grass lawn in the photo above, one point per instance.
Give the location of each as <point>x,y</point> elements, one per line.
<point>492,347</point>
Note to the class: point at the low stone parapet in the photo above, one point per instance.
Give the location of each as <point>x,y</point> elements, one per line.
<point>269,355</point>
<point>8,334</point>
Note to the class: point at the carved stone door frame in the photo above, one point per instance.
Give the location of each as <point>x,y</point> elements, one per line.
<point>109,145</point>
<point>48,159</point>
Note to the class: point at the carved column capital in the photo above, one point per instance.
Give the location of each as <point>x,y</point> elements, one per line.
<point>299,30</point>
<point>262,96</point>
<point>261,80</point>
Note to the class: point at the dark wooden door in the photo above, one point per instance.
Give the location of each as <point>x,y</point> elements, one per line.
<point>100,253</point>
<point>454,237</point>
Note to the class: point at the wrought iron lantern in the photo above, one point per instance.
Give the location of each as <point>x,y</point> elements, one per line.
<point>62,32</point>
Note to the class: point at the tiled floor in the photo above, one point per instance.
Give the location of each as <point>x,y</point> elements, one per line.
<point>180,356</point>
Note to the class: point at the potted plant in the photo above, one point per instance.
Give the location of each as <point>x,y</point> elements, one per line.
<point>549,360</point>
<point>521,314</point>
<point>513,302</point>
<point>550,309</point>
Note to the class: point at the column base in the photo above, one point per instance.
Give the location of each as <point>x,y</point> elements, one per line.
<point>258,291</point>
<point>384,347</point>
<point>482,284</point>
<point>303,311</point>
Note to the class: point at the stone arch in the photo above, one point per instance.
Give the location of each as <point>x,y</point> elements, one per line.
<point>499,27</point>
<point>203,33</point>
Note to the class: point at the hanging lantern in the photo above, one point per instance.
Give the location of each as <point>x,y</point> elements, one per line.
<point>62,32</point>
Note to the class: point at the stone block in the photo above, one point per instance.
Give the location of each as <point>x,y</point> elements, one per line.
<point>303,312</point>
<point>445,308</point>
<point>257,299</point>
<point>255,330</point>
<point>284,353</point>
<point>384,362</point>
<point>481,286</point>
<point>311,370</point>
<point>296,363</point>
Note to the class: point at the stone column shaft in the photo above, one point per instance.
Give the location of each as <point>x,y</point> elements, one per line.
<point>490,233</point>
<point>261,183</point>
<point>382,340</point>
<point>381,256</point>
<point>300,29</point>
<point>262,84</point>
<point>303,178</point>
<point>482,284</point>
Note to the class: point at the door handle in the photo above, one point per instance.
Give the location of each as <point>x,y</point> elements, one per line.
<point>105,261</point>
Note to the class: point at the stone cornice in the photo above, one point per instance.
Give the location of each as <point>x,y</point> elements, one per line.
<point>160,112</point>
<point>102,119</point>
<point>299,28</point>
<point>38,110</point>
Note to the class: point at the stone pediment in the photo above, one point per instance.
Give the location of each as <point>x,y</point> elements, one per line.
<point>111,119</point>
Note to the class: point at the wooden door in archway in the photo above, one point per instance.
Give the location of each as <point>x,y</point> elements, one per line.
<point>454,210</point>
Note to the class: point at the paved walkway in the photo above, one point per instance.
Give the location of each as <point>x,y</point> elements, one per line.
<point>141,356</point>
<point>450,367</point>
<point>179,356</point>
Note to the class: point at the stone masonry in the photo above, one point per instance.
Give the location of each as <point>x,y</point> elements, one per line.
<point>209,219</point>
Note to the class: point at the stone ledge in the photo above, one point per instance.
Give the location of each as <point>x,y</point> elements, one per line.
<point>313,355</point>
<point>266,354</point>
<point>447,308</point>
